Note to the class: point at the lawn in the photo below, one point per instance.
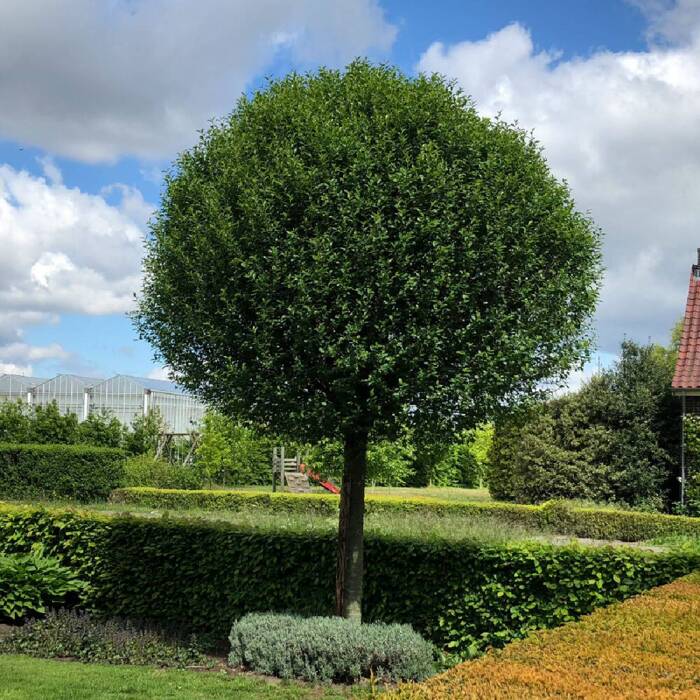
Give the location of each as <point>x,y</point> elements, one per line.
<point>23,677</point>
<point>422,525</point>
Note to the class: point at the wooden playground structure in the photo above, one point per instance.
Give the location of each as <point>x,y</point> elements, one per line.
<point>294,476</point>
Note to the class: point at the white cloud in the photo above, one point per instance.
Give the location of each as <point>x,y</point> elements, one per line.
<point>11,368</point>
<point>671,20</point>
<point>96,80</point>
<point>17,357</point>
<point>623,129</point>
<point>63,250</point>
<point>160,373</point>
<point>32,353</point>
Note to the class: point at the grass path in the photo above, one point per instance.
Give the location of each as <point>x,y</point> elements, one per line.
<point>27,678</point>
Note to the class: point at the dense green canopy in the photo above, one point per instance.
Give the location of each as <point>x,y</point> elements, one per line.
<point>361,250</point>
<point>350,254</point>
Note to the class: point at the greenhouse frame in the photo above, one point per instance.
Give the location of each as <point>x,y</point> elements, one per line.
<point>15,387</point>
<point>127,397</point>
<point>67,390</point>
<point>122,396</point>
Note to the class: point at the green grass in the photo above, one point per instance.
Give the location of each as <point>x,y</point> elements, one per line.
<point>484,529</point>
<point>27,678</point>
<point>419,525</point>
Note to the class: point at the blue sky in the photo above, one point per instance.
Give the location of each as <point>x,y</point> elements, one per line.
<point>102,96</point>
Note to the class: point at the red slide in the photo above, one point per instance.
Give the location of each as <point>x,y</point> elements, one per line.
<point>328,485</point>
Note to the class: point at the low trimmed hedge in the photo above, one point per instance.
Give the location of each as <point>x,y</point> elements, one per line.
<point>329,649</point>
<point>646,647</point>
<point>628,526</point>
<point>203,574</point>
<point>79,472</point>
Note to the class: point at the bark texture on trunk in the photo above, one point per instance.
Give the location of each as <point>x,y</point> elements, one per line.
<point>349,572</point>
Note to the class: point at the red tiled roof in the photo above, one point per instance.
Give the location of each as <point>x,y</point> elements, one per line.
<point>687,374</point>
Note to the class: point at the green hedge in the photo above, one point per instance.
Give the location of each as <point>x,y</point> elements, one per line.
<point>628,526</point>
<point>79,472</point>
<point>205,574</point>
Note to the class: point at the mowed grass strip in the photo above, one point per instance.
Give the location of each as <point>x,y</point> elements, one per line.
<point>26,678</point>
<point>646,647</point>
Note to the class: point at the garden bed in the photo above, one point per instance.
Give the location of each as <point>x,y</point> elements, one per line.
<point>648,647</point>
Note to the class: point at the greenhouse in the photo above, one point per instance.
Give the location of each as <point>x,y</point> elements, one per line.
<point>14,387</point>
<point>121,396</point>
<point>69,391</point>
<point>126,397</point>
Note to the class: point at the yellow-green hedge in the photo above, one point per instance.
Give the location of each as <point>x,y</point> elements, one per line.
<point>628,526</point>
<point>647,647</point>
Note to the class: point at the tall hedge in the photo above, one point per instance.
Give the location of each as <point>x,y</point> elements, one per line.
<point>204,574</point>
<point>616,439</point>
<point>77,472</point>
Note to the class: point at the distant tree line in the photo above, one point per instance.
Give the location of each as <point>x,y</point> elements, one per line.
<point>22,424</point>
<point>230,453</point>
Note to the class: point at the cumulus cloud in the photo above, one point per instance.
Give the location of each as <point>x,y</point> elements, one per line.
<point>96,80</point>
<point>63,251</point>
<point>622,128</point>
<point>160,373</point>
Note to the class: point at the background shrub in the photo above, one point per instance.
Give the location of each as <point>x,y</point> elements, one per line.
<point>329,649</point>
<point>59,471</point>
<point>79,635</point>
<point>46,425</point>
<point>203,574</point>
<point>617,439</point>
<point>148,470</point>
<point>231,453</point>
<point>30,582</point>
<point>101,430</point>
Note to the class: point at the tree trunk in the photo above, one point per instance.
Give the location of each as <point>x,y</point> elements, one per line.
<point>348,581</point>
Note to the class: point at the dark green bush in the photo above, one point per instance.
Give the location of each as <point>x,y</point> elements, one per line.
<point>615,440</point>
<point>148,470</point>
<point>204,574</point>
<point>554,516</point>
<point>51,427</point>
<point>15,422</point>
<point>79,635</point>
<point>100,430</point>
<point>329,649</point>
<point>76,472</point>
<point>30,582</point>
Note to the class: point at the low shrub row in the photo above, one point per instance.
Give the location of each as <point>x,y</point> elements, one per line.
<point>205,574</point>
<point>646,647</point>
<point>557,516</point>
<point>77,472</point>
<point>329,649</point>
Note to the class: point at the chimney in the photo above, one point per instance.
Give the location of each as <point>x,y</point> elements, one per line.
<point>696,267</point>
